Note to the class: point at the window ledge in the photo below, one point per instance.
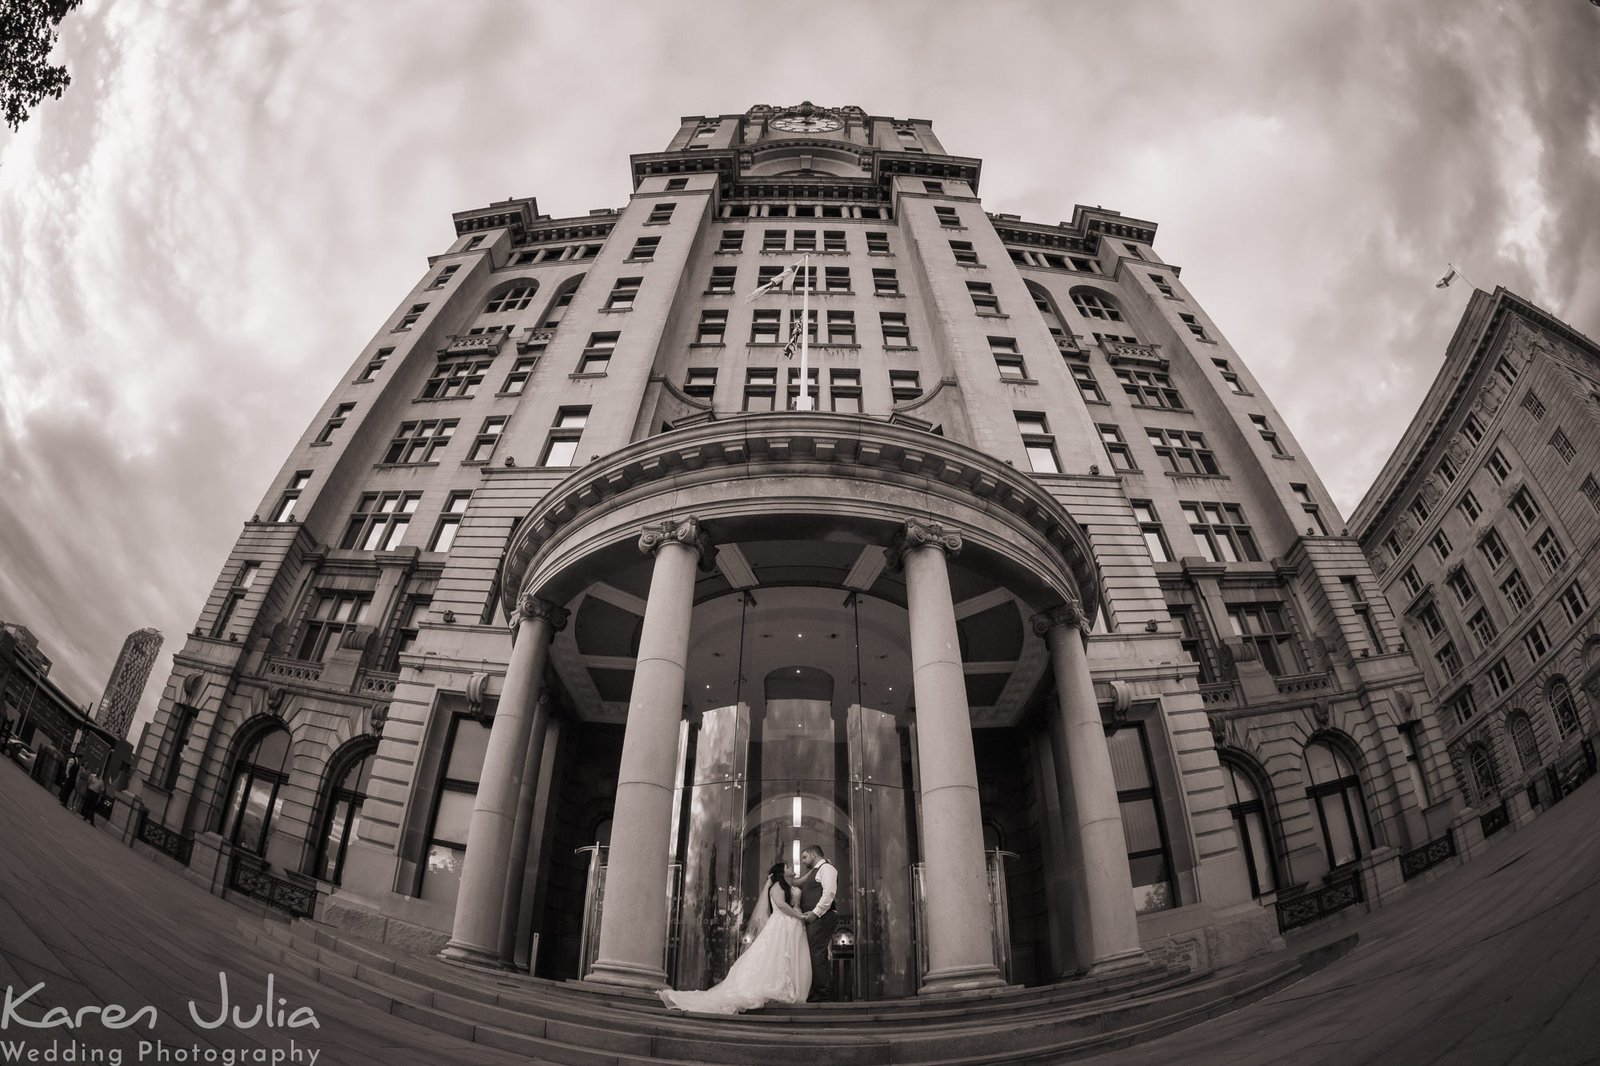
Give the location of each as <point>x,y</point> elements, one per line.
<point>1275,455</point>
<point>708,344</point>
<point>891,295</point>
<point>650,260</point>
<point>992,314</point>
<point>1202,340</point>
<point>320,444</point>
<point>575,376</point>
<point>404,466</point>
<point>442,399</point>
<point>500,394</point>
<point>1207,477</point>
<point>899,347</point>
<point>889,255</point>
<point>1020,381</point>
<point>717,292</point>
<point>614,310</point>
<point>728,251</point>
<point>475,462</point>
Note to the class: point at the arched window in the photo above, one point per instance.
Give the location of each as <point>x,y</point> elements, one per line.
<point>1561,705</point>
<point>1335,791</point>
<point>1485,777</point>
<point>258,774</point>
<point>516,297</point>
<point>1523,740</point>
<point>350,770</point>
<point>1250,818</point>
<point>1047,309</point>
<point>1144,828</point>
<point>558,306</point>
<point>1092,303</point>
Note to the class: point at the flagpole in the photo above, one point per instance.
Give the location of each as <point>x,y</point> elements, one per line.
<point>805,333</point>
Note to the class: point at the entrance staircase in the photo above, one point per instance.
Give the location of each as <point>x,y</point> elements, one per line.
<point>585,1025</point>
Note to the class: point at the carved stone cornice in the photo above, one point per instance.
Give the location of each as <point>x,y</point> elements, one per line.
<point>686,532</point>
<point>919,534</point>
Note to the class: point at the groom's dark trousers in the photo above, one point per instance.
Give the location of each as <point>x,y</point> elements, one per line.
<point>818,932</point>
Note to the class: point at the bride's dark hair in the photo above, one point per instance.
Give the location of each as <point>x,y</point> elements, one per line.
<point>775,876</point>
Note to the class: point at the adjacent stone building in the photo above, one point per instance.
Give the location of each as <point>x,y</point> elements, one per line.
<point>568,616</point>
<point>1483,529</point>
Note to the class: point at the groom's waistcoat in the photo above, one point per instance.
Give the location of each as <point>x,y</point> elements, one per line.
<point>810,893</point>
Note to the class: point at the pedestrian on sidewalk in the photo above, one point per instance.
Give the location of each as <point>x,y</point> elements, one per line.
<point>69,781</point>
<point>91,798</point>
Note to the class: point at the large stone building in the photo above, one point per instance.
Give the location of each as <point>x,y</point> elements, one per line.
<point>129,675</point>
<point>35,711</point>
<point>1038,621</point>
<point>1484,528</point>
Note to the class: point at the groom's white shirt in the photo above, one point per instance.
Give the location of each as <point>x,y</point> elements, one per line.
<point>828,878</point>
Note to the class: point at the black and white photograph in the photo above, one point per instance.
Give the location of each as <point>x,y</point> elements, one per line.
<point>894,533</point>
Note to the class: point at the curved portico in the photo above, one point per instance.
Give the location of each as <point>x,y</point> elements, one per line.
<point>875,537</point>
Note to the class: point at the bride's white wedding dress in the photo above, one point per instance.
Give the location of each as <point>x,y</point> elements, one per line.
<point>775,968</point>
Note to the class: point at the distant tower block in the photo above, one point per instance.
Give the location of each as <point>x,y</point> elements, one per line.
<point>128,678</point>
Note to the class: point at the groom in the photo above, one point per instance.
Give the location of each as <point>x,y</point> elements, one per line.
<point>817,894</point>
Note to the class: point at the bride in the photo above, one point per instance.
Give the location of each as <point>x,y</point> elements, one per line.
<point>776,967</point>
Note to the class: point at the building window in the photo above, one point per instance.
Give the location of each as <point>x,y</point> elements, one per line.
<point>1501,678</point>
<point>562,448</point>
<point>805,240</point>
<point>169,763</point>
<point>516,298</point>
<point>1550,551</point>
<point>722,279</point>
<point>1482,628</point>
<point>760,389</point>
<point>1117,449</point>
<point>1250,820</point>
<point>964,253</point>
<point>466,744</point>
<point>284,512</point>
<point>1485,778</point>
<point>563,300</point>
<point>409,319</point>
<point>1150,527</point>
<point>1461,585</point>
<point>1447,470</point>
<point>455,381</point>
<point>258,773</point>
<point>1563,446</point>
<point>1469,507</point>
<point>947,217</point>
<point>1038,443</point>
<point>1428,618</point>
<point>335,612</point>
<point>713,326</point>
<point>1093,304</point>
<point>242,583</point>
<point>1498,469</point>
<point>380,520</point>
<point>623,293</point>
<point>1420,510</point>
<point>1007,359</point>
<point>813,389</point>
<point>1335,791</point>
<point>1503,371</point>
<point>1523,741</point>
<point>878,244</point>
<point>792,345</point>
<point>406,630</point>
<point>841,327</point>
<point>934,187</point>
<point>732,240</point>
<point>904,385</point>
<point>1133,250</point>
<point>775,240</point>
<point>680,184</point>
<point>844,391</point>
<point>1412,582</point>
<point>1266,625</point>
<point>341,820</point>
<point>1189,637</point>
<point>1440,543</point>
<point>644,250</point>
<point>660,214</point>
<point>836,279</point>
<point>417,442</point>
<point>1165,289</point>
<point>370,371</point>
<point>1537,641</point>
<point>1149,388</point>
<point>1492,548</point>
<point>1363,611</point>
<point>1302,493</point>
<point>1391,544</point>
<point>766,324</point>
<point>1221,533</point>
<point>1267,434</point>
<point>1472,429</point>
<point>444,534</point>
<point>1183,452</point>
<point>1533,405</point>
<point>1561,705</point>
<point>517,379</point>
<point>833,240</point>
<point>1464,707</point>
<point>444,276</point>
<point>1574,603</point>
<point>1194,326</point>
<point>1522,505</point>
<point>1088,387</point>
<point>700,381</point>
<point>1229,375</point>
<point>1515,590</point>
<point>896,333</point>
<point>885,283</point>
<point>335,420</point>
<point>984,301</point>
<point>1591,491</point>
<point>472,243</point>
<point>1144,826</point>
<point>1449,659</point>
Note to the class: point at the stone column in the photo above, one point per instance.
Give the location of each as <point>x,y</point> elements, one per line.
<point>521,831</point>
<point>475,936</point>
<point>1105,926</point>
<point>958,922</point>
<point>633,921</point>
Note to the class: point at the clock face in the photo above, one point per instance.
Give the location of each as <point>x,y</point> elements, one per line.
<point>806,124</point>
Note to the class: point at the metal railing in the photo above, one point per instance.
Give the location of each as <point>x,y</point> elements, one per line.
<point>249,875</point>
<point>1344,891</point>
<point>171,844</point>
<point>1419,861</point>
<point>1494,820</point>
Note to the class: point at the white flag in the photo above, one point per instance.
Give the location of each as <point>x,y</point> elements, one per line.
<point>1444,282</point>
<point>776,283</point>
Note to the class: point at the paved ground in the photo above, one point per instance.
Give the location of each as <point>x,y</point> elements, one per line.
<point>1494,963</point>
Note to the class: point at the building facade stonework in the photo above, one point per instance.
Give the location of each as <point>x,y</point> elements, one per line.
<point>1483,528</point>
<point>565,618</point>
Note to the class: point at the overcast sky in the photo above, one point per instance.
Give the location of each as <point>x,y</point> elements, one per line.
<point>231,197</point>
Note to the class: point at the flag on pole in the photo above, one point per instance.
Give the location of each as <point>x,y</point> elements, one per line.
<point>794,337</point>
<point>1444,282</point>
<point>776,283</point>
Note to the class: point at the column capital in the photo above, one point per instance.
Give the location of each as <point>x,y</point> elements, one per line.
<point>536,609</point>
<point>1068,614</point>
<point>917,533</point>
<point>685,531</point>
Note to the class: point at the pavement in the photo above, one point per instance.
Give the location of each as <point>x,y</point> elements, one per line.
<point>1494,962</point>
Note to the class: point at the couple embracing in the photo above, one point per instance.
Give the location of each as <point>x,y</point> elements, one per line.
<point>787,960</point>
